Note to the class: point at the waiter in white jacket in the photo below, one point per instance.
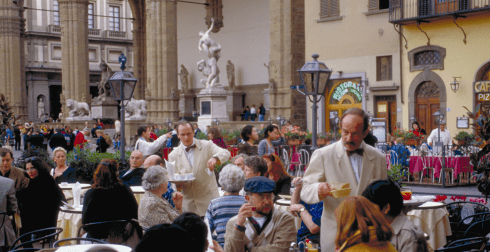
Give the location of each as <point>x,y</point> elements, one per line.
<point>149,148</point>
<point>445,137</point>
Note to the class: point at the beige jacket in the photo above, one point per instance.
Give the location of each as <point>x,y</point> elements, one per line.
<point>198,193</point>
<point>154,210</point>
<point>406,236</point>
<point>276,237</point>
<point>331,164</point>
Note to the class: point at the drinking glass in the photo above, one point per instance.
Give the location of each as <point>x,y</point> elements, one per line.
<point>406,193</point>
<point>313,248</point>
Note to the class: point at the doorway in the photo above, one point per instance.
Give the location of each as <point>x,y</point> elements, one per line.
<point>386,108</point>
<point>427,103</point>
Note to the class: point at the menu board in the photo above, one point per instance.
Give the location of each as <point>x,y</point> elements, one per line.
<point>378,126</point>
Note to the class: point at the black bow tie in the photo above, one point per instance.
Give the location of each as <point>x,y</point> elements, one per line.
<point>187,149</point>
<point>358,151</point>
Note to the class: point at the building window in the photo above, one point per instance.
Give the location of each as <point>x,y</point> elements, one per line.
<point>56,13</point>
<point>374,5</point>
<point>431,57</point>
<point>114,20</point>
<point>91,16</point>
<point>329,8</point>
<point>384,68</point>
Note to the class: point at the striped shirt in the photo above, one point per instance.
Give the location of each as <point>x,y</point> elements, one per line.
<point>221,210</point>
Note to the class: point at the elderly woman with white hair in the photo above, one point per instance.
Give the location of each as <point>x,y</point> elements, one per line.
<point>222,209</point>
<point>153,208</point>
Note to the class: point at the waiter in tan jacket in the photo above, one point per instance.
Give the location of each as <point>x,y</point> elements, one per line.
<point>198,157</point>
<point>347,161</point>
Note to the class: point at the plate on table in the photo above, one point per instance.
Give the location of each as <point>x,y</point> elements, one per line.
<point>418,200</point>
<point>283,202</point>
<point>431,205</point>
<point>286,197</point>
<point>181,180</point>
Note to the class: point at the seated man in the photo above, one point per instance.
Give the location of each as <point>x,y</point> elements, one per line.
<point>387,196</point>
<point>133,176</point>
<point>258,225</point>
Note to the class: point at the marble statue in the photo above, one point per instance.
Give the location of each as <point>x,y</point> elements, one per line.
<point>174,93</point>
<point>136,109</point>
<point>40,108</point>
<point>209,67</point>
<point>272,69</point>
<point>62,101</point>
<point>230,70</point>
<point>184,81</point>
<point>104,87</point>
<point>77,109</point>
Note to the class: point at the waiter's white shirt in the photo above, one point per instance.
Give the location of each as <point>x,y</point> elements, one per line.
<point>190,157</point>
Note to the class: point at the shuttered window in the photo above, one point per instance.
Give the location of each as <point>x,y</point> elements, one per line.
<point>329,8</point>
<point>374,5</point>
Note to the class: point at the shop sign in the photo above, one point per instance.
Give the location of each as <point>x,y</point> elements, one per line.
<point>483,97</point>
<point>345,87</point>
<point>482,86</point>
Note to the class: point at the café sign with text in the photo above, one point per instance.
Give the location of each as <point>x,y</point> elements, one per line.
<point>482,89</point>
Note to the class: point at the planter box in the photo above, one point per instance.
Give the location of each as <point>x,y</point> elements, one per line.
<point>412,141</point>
<point>231,142</point>
<point>322,141</point>
<point>295,141</point>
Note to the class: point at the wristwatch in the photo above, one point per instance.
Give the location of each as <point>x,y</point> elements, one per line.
<point>240,228</point>
<point>300,211</point>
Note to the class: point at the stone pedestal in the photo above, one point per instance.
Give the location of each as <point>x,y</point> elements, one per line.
<point>186,105</point>
<point>104,107</point>
<point>234,104</point>
<point>130,129</point>
<point>78,118</point>
<point>213,106</point>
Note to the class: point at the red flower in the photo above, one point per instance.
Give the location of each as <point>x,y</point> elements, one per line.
<point>440,198</point>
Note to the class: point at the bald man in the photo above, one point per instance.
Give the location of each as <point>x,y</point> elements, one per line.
<point>133,176</point>
<point>156,160</point>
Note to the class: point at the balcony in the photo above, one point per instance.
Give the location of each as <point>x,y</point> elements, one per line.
<point>54,28</point>
<point>118,34</point>
<point>94,32</point>
<point>412,11</point>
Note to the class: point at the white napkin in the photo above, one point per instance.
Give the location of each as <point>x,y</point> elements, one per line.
<point>170,168</point>
<point>77,192</point>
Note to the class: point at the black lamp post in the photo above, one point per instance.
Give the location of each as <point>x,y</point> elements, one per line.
<point>314,78</point>
<point>122,87</point>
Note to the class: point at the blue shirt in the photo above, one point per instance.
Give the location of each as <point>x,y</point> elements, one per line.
<point>220,211</point>
<point>10,133</point>
<point>168,194</point>
<point>315,211</point>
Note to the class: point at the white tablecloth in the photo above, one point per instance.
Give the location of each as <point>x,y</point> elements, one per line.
<point>70,222</point>
<point>435,223</point>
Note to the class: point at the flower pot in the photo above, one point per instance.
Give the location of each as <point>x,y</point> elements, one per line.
<point>295,141</point>
<point>322,141</point>
<point>413,141</point>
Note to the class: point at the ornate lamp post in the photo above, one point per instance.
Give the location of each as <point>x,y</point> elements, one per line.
<point>314,78</point>
<point>122,88</point>
<point>216,122</point>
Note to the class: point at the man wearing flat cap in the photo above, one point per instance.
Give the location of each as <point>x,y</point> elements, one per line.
<point>258,225</point>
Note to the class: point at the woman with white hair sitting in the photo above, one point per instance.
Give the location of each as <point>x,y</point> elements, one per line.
<point>153,208</point>
<point>221,209</point>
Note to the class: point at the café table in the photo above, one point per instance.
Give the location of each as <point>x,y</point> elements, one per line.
<point>90,247</point>
<point>67,189</point>
<point>138,192</point>
<point>70,220</point>
<point>460,164</point>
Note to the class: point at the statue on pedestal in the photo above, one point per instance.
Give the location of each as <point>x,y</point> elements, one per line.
<point>184,81</point>
<point>272,69</point>
<point>104,87</point>
<point>136,109</point>
<point>77,108</point>
<point>209,67</point>
<point>40,108</point>
<point>230,70</point>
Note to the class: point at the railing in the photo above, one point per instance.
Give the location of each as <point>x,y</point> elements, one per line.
<point>115,34</point>
<point>407,11</point>
<point>54,28</point>
<point>94,32</point>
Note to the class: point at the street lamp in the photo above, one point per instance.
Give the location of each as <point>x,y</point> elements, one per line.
<point>216,122</point>
<point>314,78</point>
<point>455,85</point>
<point>122,88</point>
<point>370,116</point>
<point>334,121</point>
<point>195,113</point>
<point>168,123</point>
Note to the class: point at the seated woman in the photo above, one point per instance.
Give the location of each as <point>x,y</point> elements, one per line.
<point>222,209</point>
<point>266,145</point>
<point>249,135</point>
<point>40,202</point>
<point>154,209</point>
<point>276,172</point>
<point>62,173</point>
<point>310,214</point>
<point>417,130</point>
<point>215,136</point>
<point>361,227</point>
<point>387,196</point>
<point>107,200</point>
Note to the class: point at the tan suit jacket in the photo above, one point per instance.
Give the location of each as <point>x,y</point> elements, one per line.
<point>19,177</point>
<point>331,164</point>
<point>198,193</point>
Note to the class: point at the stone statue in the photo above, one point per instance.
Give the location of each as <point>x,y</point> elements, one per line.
<point>40,108</point>
<point>272,69</point>
<point>213,52</point>
<point>104,87</point>
<point>135,109</point>
<point>77,108</point>
<point>62,101</point>
<point>230,70</point>
<point>173,93</point>
<point>184,81</point>
<point>122,61</point>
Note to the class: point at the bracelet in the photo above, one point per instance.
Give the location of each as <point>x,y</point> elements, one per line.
<point>240,228</point>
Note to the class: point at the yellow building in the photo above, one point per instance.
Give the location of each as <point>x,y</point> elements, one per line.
<point>356,41</point>
<point>446,41</point>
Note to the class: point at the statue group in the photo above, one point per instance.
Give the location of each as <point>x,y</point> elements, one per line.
<point>209,67</point>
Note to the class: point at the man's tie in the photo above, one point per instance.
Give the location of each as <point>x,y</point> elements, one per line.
<point>358,151</point>
<point>187,149</point>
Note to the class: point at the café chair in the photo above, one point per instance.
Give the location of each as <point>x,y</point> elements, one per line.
<point>78,240</point>
<point>468,244</point>
<point>472,226</point>
<point>426,163</point>
<point>448,170</point>
<point>45,236</point>
<point>460,210</point>
<point>120,231</point>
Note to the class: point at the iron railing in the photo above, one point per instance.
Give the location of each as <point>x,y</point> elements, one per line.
<point>411,11</point>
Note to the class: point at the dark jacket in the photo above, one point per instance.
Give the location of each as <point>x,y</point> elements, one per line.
<point>371,139</point>
<point>40,203</point>
<point>175,141</point>
<point>69,175</point>
<point>36,140</point>
<point>57,140</point>
<point>283,186</point>
<point>102,145</point>
<point>100,205</point>
<point>132,179</point>
<point>69,137</point>
<point>17,134</point>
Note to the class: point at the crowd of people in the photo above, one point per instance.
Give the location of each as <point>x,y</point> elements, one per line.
<point>183,214</point>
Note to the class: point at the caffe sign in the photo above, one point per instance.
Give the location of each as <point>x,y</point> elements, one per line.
<point>482,86</point>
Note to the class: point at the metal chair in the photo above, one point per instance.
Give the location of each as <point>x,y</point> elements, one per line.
<point>425,161</point>
<point>116,228</point>
<point>447,169</point>
<point>35,237</point>
<point>78,240</point>
<point>461,210</point>
<point>469,244</point>
<point>304,160</point>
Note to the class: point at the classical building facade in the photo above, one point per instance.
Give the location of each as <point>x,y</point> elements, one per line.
<point>66,40</point>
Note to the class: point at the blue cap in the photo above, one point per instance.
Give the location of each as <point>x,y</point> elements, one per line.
<point>259,185</point>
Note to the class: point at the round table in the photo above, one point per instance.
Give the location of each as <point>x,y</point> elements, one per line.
<point>69,186</point>
<point>138,192</point>
<point>94,247</point>
<point>70,220</point>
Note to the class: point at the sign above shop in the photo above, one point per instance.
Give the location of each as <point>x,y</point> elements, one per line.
<point>482,86</point>
<point>346,87</point>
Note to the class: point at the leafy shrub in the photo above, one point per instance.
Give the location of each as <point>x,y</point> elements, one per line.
<point>202,136</point>
<point>34,152</point>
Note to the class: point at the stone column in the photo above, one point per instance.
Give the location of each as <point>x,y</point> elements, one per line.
<point>74,51</point>
<point>161,60</point>
<point>12,72</point>
<point>139,46</point>
<point>287,54</point>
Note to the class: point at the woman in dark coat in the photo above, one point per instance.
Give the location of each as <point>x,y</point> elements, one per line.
<point>40,202</point>
<point>107,200</point>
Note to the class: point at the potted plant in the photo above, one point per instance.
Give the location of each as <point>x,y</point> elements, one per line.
<point>464,138</point>
<point>411,139</point>
<point>323,139</point>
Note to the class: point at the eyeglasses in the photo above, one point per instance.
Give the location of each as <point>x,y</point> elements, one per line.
<point>269,196</point>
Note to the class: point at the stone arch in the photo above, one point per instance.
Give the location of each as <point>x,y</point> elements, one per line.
<point>426,75</point>
<point>482,69</point>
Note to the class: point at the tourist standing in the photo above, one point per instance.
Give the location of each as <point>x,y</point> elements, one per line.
<point>253,113</point>
<point>262,112</point>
